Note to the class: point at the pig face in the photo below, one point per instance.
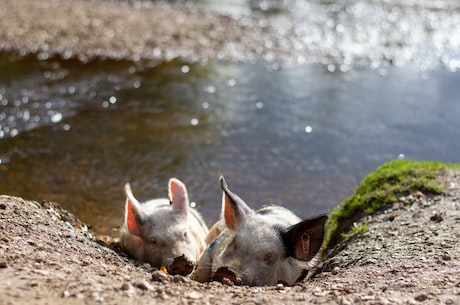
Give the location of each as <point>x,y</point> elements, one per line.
<point>164,232</point>
<point>263,247</point>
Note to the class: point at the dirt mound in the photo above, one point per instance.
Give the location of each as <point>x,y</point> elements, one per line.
<point>410,254</point>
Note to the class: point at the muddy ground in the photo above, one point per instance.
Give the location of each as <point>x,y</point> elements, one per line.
<point>410,255</point>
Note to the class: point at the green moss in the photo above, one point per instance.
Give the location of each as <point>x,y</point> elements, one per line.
<point>380,188</point>
<point>356,230</point>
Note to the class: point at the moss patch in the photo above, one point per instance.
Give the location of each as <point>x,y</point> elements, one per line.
<point>380,188</point>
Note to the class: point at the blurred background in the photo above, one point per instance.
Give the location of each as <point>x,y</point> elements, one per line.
<point>293,101</point>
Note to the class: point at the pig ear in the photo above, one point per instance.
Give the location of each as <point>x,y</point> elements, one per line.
<point>134,217</point>
<point>234,209</point>
<point>178,195</point>
<point>303,240</point>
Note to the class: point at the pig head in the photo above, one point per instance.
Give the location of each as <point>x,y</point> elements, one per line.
<point>164,232</point>
<point>257,248</point>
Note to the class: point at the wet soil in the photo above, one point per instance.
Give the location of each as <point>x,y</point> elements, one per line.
<point>409,255</point>
<point>337,34</point>
<point>141,30</point>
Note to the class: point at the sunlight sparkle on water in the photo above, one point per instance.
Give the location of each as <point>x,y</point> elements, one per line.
<point>194,121</point>
<point>112,99</point>
<point>259,105</point>
<point>185,69</point>
<point>231,82</point>
<point>210,89</point>
<point>308,129</point>
<point>136,84</point>
<point>56,117</point>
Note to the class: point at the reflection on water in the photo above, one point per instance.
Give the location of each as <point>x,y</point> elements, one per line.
<point>302,136</point>
<point>353,33</point>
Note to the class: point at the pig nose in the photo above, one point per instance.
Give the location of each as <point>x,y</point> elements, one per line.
<point>181,265</point>
<point>226,276</point>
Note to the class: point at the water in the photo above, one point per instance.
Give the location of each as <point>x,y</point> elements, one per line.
<point>302,135</point>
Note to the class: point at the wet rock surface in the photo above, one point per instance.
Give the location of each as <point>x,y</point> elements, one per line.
<point>408,256</point>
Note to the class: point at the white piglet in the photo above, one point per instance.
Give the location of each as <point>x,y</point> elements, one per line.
<point>164,232</point>
<point>264,247</point>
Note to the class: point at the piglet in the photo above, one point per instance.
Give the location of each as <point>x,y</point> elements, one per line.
<point>164,232</point>
<point>264,247</point>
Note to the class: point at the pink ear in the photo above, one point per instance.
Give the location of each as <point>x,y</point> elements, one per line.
<point>229,212</point>
<point>234,209</point>
<point>133,214</point>
<point>178,195</point>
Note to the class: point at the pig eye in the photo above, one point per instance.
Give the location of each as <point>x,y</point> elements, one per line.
<point>185,235</point>
<point>268,258</point>
<point>154,241</point>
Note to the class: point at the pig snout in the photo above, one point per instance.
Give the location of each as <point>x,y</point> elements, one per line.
<point>181,266</point>
<point>226,276</point>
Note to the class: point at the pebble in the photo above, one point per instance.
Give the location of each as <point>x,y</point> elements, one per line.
<point>180,279</point>
<point>421,297</point>
<point>335,270</point>
<point>159,276</point>
<point>126,287</point>
<point>436,218</point>
<point>143,285</point>
<point>80,296</point>
<point>194,295</point>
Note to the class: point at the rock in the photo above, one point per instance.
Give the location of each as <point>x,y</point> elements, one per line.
<point>194,295</point>
<point>126,287</point>
<point>180,279</point>
<point>436,218</point>
<point>143,285</point>
<point>159,276</point>
<point>421,297</point>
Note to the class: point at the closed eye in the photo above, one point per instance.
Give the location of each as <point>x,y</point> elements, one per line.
<point>268,258</point>
<point>155,242</point>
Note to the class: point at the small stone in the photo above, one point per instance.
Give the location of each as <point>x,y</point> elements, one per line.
<point>147,265</point>
<point>159,276</point>
<point>227,282</point>
<point>446,257</point>
<point>80,296</point>
<point>180,279</point>
<point>143,285</point>
<point>3,265</point>
<point>163,296</point>
<point>65,294</point>
<point>421,297</point>
<point>126,287</point>
<point>436,218</point>
<point>194,295</point>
